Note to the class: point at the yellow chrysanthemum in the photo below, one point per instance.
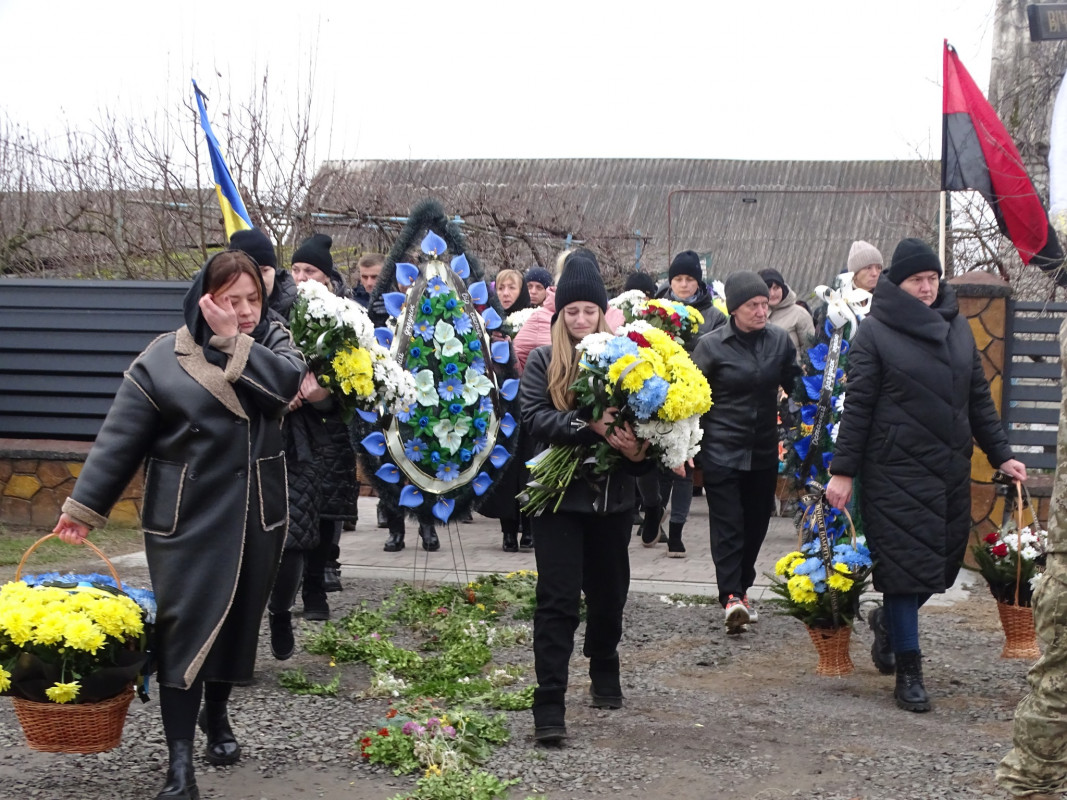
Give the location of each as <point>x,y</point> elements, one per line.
<point>82,633</point>
<point>63,692</point>
<point>802,590</point>
<point>117,616</point>
<point>355,371</point>
<point>51,628</point>
<point>836,580</point>
<point>696,316</point>
<point>5,680</point>
<point>15,622</point>
<point>720,304</point>
<point>787,562</point>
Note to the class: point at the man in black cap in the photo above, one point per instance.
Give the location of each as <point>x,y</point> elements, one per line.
<point>746,363</point>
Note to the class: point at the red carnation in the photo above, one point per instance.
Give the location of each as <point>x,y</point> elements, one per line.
<point>637,338</point>
<point>1000,550</point>
<point>991,538</point>
<point>383,731</point>
<point>676,319</point>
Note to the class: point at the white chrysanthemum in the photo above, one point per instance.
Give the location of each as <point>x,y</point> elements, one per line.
<point>637,326</point>
<point>1029,553</point>
<point>515,321</point>
<point>628,302</point>
<point>673,443</point>
<point>593,345</point>
<point>1034,581</point>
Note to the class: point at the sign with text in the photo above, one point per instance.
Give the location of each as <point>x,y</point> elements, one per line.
<point>1048,21</point>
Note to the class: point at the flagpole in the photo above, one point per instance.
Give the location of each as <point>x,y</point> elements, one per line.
<point>941,229</point>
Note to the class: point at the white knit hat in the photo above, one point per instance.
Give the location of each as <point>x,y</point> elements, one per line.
<point>863,254</point>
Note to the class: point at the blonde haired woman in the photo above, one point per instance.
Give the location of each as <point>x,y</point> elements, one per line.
<point>581,547</point>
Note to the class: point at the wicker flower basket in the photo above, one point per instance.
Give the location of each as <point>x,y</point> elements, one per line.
<point>1020,640</point>
<point>832,646</point>
<point>80,728</point>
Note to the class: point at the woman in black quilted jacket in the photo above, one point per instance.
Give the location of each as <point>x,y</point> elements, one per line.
<point>916,396</point>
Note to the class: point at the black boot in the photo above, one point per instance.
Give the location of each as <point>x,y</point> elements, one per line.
<point>430,542</point>
<point>526,541</point>
<point>282,643</point>
<point>549,712</point>
<point>181,780</point>
<point>910,693</point>
<point>222,747</point>
<point>605,690</point>
<point>383,518</point>
<point>675,548</point>
<point>331,577</point>
<point>395,542</point>
<point>316,606</point>
<point>881,650</point>
<point>511,542</point>
<point>650,527</point>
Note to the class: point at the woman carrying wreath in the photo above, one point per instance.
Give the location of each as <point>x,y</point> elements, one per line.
<point>202,408</point>
<point>916,396</point>
<point>581,547</point>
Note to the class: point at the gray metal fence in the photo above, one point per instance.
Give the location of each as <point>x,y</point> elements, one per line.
<point>65,344</point>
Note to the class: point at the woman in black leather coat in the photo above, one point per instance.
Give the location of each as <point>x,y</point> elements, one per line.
<point>582,547</point>
<point>202,408</point>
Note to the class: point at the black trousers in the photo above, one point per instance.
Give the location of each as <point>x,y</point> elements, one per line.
<point>740,503</point>
<point>179,707</point>
<point>578,553</point>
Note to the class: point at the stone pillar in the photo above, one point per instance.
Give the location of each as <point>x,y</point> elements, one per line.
<point>984,303</point>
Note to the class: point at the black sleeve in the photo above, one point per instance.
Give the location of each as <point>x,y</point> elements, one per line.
<point>540,418</point>
<point>790,367</point>
<point>270,373</point>
<point>861,395</point>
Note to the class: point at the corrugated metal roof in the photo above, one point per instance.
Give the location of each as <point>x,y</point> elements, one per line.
<point>805,216</point>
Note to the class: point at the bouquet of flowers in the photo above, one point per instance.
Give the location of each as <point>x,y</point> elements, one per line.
<point>657,388</point>
<point>513,322</point>
<point>339,342</point>
<point>822,593</point>
<point>1011,558</point>
<point>629,303</point>
<point>682,322</point>
<point>70,639</point>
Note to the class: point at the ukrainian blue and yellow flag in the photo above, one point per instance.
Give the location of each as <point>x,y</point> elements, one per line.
<point>234,215</point>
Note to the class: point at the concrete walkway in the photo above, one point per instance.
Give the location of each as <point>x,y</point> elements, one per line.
<point>472,549</point>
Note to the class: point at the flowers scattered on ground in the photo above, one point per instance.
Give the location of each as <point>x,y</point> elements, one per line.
<point>1002,555</point>
<point>338,340</point>
<point>657,388</point>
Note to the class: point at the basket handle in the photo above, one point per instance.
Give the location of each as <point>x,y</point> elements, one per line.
<point>810,508</point>
<point>90,545</point>
<point>1019,537</point>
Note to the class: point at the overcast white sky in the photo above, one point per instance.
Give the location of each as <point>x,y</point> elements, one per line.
<point>750,79</point>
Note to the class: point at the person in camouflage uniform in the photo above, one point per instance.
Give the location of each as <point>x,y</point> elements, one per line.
<point>1036,767</point>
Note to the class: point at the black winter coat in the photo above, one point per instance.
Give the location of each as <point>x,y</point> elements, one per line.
<point>545,425</point>
<point>916,393</point>
<point>283,295</point>
<point>207,427</point>
<point>744,372</point>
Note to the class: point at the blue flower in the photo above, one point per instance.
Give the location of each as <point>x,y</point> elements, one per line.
<point>450,369</point>
<point>802,446</point>
<point>462,324</point>
<point>415,353</point>
<point>465,455</point>
<point>426,307</point>
<point>478,365</point>
<point>480,424</point>
<point>813,385</point>
<point>807,413</point>
<point>811,567</point>
<point>455,408</point>
<point>424,328</point>
<point>474,346</point>
<point>436,287</point>
<point>435,457</point>
<point>404,414</point>
<point>415,449</point>
<point>450,388</point>
<point>480,443</point>
<point>817,356</point>
<point>617,348</point>
<point>448,471</point>
<point>485,405</point>
<point>647,400</point>
<point>451,304</point>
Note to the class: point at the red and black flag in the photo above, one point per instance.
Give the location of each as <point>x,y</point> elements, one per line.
<point>978,153</point>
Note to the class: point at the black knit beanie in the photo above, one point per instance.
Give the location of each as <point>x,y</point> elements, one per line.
<point>641,281</point>
<point>539,275</point>
<point>255,243</point>
<point>740,287</point>
<point>911,256</point>
<point>686,262</point>
<point>580,282</point>
<point>770,276</point>
<point>315,250</point>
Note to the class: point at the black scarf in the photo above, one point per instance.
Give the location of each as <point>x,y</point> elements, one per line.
<point>197,325</point>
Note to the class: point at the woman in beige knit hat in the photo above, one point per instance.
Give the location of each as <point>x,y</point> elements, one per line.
<point>865,263</point>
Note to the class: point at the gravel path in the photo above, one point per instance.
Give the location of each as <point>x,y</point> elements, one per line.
<point>706,717</point>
